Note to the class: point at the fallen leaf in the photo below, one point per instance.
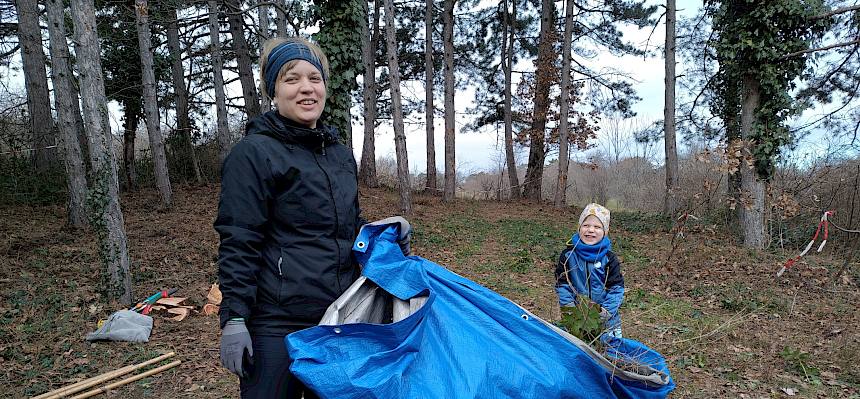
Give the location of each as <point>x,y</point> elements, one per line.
<point>788,391</point>
<point>181,313</point>
<point>210,309</point>
<point>214,295</point>
<point>172,301</point>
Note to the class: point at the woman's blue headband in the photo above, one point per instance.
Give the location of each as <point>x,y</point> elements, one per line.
<point>286,52</point>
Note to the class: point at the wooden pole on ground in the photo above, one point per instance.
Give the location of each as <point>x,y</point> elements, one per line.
<point>127,380</point>
<point>89,382</point>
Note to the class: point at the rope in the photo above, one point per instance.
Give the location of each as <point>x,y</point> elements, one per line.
<point>844,230</point>
<point>822,224</point>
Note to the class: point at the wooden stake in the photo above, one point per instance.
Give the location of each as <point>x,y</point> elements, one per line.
<point>127,380</point>
<point>92,381</point>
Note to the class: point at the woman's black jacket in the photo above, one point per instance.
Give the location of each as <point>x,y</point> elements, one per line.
<point>287,218</point>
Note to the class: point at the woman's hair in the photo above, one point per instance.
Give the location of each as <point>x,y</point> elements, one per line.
<point>270,45</point>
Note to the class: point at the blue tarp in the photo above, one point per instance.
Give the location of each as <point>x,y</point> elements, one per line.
<point>466,341</point>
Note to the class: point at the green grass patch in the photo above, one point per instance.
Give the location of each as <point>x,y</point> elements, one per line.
<point>641,222</point>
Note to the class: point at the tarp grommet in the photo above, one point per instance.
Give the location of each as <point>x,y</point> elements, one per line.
<point>360,244</point>
<point>337,330</point>
<point>524,316</point>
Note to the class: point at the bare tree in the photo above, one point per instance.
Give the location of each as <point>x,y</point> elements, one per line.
<point>243,58</point>
<point>150,103</point>
<point>561,186</point>
<point>397,111</point>
<point>106,213</point>
<point>65,101</point>
<point>430,183</point>
<point>507,64</point>
<point>670,204</point>
<point>367,171</point>
<point>448,45</point>
<point>263,17</point>
<point>224,141</point>
<point>544,73</point>
<point>36,82</point>
<point>178,72</point>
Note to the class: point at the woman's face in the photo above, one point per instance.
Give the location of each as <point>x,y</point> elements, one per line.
<point>591,230</point>
<point>300,94</point>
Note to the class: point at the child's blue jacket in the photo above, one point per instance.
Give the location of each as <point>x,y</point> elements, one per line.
<point>601,281</point>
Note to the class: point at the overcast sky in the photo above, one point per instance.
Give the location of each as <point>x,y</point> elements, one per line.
<point>482,151</point>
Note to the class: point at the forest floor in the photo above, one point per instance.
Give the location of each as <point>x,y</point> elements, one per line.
<point>726,325</point>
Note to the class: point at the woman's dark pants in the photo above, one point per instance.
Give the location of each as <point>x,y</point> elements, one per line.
<point>269,376</point>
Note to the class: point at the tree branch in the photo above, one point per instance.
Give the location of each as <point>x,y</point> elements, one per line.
<point>813,50</point>
<point>834,12</point>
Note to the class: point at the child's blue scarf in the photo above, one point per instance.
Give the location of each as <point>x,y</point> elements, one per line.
<point>590,253</point>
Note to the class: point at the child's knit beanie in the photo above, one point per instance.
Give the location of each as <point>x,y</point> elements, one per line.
<point>599,211</point>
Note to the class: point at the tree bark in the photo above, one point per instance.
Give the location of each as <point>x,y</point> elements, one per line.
<point>429,110</point>
<point>243,58</point>
<point>508,61</point>
<point>263,16</point>
<point>181,93</point>
<point>544,73</point>
<point>224,141</point>
<point>670,203</point>
<point>36,82</point>
<point>132,119</point>
<point>367,171</point>
<point>448,44</point>
<point>280,20</point>
<point>106,214</point>
<point>397,111</point>
<point>560,199</point>
<point>65,102</point>
<point>150,103</point>
<point>751,211</point>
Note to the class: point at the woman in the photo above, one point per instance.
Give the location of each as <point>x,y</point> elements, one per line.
<point>287,218</point>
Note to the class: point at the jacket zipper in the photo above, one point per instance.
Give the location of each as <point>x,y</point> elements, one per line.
<point>336,220</point>
<point>280,259</point>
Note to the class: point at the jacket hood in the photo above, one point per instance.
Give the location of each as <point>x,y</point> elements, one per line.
<point>275,125</point>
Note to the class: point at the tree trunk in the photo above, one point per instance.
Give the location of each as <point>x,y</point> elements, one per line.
<point>243,58</point>
<point>106,215</point>
<point>560,199</point>
<point>751,210</point>
<point>179,89</point>
<point>150,103</point>
<point>132,119</point>
<point>263,16</point>
<point>64,99</point>
<point>280,19</point>
<point>224,141</point>
<point>670,204</point>
<point>448,44</point>
<point>507,62</point>
<point>367,172</point>
<point>36,82</point>
<point>544,73</point>
<point>429,110</point>
<point>397,111</point>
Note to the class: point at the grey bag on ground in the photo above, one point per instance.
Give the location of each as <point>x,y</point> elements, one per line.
<point>124,325</point>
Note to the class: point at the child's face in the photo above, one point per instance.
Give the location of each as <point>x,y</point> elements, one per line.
<point>591,230</point>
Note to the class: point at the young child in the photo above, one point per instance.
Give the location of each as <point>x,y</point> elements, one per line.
<point>588,267</point>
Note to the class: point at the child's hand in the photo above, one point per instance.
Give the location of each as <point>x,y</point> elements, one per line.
<point>604,315</point>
